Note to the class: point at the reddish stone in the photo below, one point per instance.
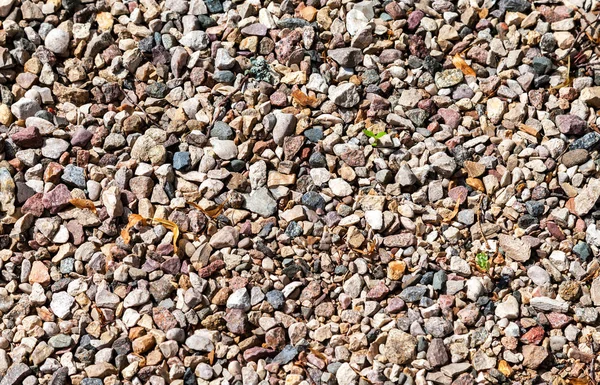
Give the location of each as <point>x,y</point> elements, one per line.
<point>555,231</point>
<point>446,301</point>
<point>83,158</point>
<point>76,231</point>
<point>57,199</point>
<point>53,172</point>
<point>238,282</point>
<point>171,265</point>
<point>278,99</point>
<point>163,318</point>
<point>305,153</point>
<point>451,118</point>
<point>275,338</point>
<point>395,305</point>
<point>533,336</point>
<point>354,158</point>
<point>433,127</point>
<point>34,205</point>
<point>414,19</point>
<point>417,47</point>
<point>464,379</point>
<point>316,361</point>
<point>400,240</point>
<point>164,249</point>
<point>459,194</point>
<point>291,146</point>
<point>378,292</point>
<point>451,143</point>
<point>212,268</point>
<point>394,10</point>
<point>257,353</point>
<point>39,274</point>
<point>580,225</point>
<point>554,14</point>
<point>311,291</point>
<point>558,320</point>
<point>237,321</point>
<point>16,163</point>
<point>28,137</point>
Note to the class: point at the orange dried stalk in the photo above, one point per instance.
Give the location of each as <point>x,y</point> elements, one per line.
<point>83,204</point>
<point>133,220</point>
<point>136,218</point>
<point>462,65</point>
<point>304,100</point>
<point>171,226</point>
<point>212,213</point>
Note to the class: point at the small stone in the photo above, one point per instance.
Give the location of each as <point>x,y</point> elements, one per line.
<point>61,304</point>
<point>344,95</point>
<point>199,343</point>
<point>400,347</point>
<point>571,124</point>
<point>448,78</point>
<point>534,356</point>
<point>196,40</point>
<point>346,57</point>
<point>57,41</point>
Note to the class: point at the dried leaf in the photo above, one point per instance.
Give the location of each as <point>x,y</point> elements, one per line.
<point>133,220</point>
<point>579,381</point>
<point>462,65</point>
<point>83,204</point>
<point>529,130</point>
<point>447,217</point>
<point>211,357</point>
<point>171,226</point>
<point>320,355</point>
<point>212,213</point>
<point>476,184</point>
<point>304,100</point>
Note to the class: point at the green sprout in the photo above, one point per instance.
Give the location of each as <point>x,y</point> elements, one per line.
<point>375,136</point>
<point>482,261</point>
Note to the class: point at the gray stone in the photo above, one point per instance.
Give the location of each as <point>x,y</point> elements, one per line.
<point>346,57</point>
<point>199,343</point>
<point>260,202</point>
<point>57,41</point>
<point>284,126</point>
<point>196,40</point>
<point>345,95</point>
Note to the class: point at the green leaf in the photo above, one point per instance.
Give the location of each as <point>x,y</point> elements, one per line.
<point>482,261</point>
<point>368,133</point>
<point>380,135</point>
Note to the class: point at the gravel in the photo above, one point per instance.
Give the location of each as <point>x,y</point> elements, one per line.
<point>249,192</point>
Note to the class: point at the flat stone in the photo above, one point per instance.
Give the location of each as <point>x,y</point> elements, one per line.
<point>515,248</point>
<point>400,347</point>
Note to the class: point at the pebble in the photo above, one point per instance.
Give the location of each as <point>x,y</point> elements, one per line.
<point>57,41</point>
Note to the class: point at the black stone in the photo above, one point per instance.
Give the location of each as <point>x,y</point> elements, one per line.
<point>214,6</point>
<point>292,23</point>
<point>587,142</point>
<point>522,6</point>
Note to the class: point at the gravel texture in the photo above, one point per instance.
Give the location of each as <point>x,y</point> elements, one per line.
<point>210,192</point>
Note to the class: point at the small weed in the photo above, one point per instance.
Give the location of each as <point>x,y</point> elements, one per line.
<point>375,136</point>
<point>482,260</point>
